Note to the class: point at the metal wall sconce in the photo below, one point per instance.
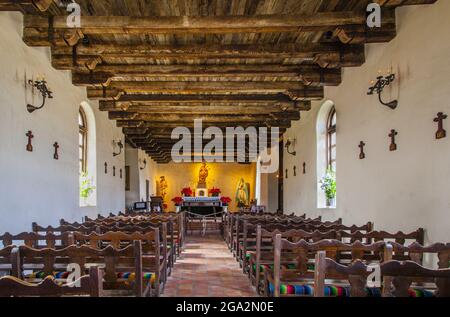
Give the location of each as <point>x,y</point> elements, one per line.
<point>41,85</point>
<point>118,144</point>
<point>145,164</point>
<point>288,145</point>
<point>378,87</point>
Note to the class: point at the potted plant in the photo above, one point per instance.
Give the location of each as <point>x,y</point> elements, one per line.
<point>186,192</point>
<point>86,187</point>
<point>178,201</point>
<point>214,192</point>
<point>328,185</point>
<point>225,202</point>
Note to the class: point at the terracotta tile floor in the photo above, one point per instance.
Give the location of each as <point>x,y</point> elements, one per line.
<point>207,269</point>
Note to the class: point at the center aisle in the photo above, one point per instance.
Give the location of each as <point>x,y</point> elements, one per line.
<point>207,269</point>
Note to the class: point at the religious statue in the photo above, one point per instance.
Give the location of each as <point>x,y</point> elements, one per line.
<point>163,187</point>
<point>242,193</point>
<point>203,174</point>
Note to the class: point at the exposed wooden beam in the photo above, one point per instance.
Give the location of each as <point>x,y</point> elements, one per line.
<point>397,3</point>
<point>309,75</point>
<point>152,132</point>
<point>203,109</point>
<point>322,21</point>
<point>337,54</point>
<point>268,122</point>
<point>211,118</point>
<point>118,89</point>
<point>196,51</point>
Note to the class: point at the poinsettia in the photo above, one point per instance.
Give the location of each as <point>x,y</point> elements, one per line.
<point>186,191</point>
<point>225,200</point>
<point>178,201</point>
<point>214,191</point>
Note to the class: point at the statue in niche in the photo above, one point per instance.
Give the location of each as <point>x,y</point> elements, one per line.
<point>203,175</point>
<point>163,187</point>
<point>242,193</point>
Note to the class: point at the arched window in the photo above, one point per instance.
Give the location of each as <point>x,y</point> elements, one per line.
<point>331,139</point>
<point>82,140</point>
<point>326,155</point>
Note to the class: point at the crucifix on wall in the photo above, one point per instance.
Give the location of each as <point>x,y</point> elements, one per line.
<point>441,133</point>
<point>392,135</point>
<point>361,146</point>
<point>30,138</point>
<point>56,155</point>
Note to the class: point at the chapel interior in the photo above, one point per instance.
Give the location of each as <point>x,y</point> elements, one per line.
<point>232,148</point>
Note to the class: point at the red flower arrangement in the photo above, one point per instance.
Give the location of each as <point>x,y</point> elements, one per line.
<point>187,192</point>
<point>178,201</point>
<point>215,192</point>
<point>225,200</point>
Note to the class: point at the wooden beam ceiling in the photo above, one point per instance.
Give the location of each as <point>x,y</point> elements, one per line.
<point>320,21</point>
<point>249,67</point>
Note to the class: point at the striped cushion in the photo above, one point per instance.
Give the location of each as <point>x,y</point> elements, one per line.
<point>418,292</point>
<point>41,275</point>
<point>130,277</point>
<point>339,291</point>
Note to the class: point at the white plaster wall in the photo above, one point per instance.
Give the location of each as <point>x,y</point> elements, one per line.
<point>399,190</point>
<point>34,186</point>
<point>148,173</point>
<point>131,160</point>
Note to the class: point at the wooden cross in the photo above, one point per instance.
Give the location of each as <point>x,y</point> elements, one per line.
<point>30,137</point>
<point>304,167</point>
<point>392,135</point>
<point>114,171</point>
<point>56,146</point>
<point>362,155</point>
<point>106,168</point>
<point>295,171</point>
<point>441,133</point>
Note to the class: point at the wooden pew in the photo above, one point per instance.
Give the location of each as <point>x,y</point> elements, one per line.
<point>121,267</point>
<point>90,285</point>
<point>262,256</point>
<point>7,265</point>
<point>35,240</point>
<point>298,280</point>
<point>153,251</point>
<point>408,278</point>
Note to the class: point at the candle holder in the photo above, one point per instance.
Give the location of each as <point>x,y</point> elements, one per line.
<point>41,86</point>
<point>145,164</point>
<point>118,144</point>
<point>381,83</point>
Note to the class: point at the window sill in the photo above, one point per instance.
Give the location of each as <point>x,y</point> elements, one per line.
<point>327,207</point>
<point>87,204</point>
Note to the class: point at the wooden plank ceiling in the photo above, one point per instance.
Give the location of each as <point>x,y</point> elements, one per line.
<point>155,65</point>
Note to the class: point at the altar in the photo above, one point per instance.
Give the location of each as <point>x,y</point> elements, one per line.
<point>202,206</point>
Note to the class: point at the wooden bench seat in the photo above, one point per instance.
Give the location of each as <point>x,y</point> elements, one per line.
<point>87,285</point>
